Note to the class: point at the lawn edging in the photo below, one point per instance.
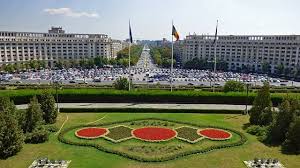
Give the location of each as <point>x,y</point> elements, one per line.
<point>243,139</point>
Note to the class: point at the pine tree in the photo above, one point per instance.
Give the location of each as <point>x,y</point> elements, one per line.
<point>261,112</point>
<point>11,135</point>
<point>292,142</point>
<point>7,106</point>
<point>282,121</point>
<point>33,116</point>
<point>47,102</point>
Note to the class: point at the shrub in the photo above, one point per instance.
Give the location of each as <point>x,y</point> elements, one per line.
<point>256,130</point>
<point>259,131</point>
<point>51,128</point>
<point>234,86</point>
<point>121,84</point>
<point>38,135</point>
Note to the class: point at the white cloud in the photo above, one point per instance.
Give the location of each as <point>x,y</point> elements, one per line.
<point>69,12</point>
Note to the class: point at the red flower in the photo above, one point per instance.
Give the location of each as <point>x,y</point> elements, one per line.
<point>154,133</point>
<point>217,134</point>
<point>91,132</point>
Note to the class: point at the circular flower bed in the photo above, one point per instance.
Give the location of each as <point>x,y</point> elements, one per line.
<point>91,132</point>
<point>215,134</point>
<point>154,134</point>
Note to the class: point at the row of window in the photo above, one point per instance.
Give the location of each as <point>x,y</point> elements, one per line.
<point>243,43</point>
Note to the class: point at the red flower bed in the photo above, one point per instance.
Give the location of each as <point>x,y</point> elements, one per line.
<point>154,134</point>
<point>215,134</point>
<point>91,132</point>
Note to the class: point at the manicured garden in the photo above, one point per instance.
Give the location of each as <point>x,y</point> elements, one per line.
<point>85,156</point>
<point>95,136</point>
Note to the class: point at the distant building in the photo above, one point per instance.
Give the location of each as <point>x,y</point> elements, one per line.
<point>155,43</point>
<point>116,46</point>
<point>243,51</point>
<point>20,47</point>
<point>178,51</point>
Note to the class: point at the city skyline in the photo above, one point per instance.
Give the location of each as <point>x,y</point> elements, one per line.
<point>149,20</point>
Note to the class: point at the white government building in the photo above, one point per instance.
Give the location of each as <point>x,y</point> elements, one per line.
<point>19,47</point>
<point>245,50</point>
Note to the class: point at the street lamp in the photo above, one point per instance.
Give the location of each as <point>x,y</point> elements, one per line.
<point>56,89</point>
<point>247,89</point>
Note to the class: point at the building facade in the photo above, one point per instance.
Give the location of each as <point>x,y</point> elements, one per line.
<point>251,52</point>
<point>56,45</point>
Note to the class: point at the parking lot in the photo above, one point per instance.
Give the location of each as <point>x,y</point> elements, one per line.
<point>145,72</point>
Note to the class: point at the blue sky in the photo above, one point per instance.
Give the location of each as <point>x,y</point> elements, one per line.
<point>151,19</point>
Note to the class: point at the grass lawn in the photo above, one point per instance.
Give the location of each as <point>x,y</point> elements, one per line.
<point>90,157</point>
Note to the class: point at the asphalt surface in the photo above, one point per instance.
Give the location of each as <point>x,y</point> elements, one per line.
<point>151,106</point>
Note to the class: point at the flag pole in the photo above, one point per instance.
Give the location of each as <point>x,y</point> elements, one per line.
<point>215,52</point>
<point>215,55</point>
<point>129,77</point>
<point>129,67</point>
<point>171,76</point>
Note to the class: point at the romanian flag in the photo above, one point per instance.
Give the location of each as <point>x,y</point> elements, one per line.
<point>175,33</point>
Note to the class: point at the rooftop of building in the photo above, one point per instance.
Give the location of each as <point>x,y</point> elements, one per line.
<point>53,32</point>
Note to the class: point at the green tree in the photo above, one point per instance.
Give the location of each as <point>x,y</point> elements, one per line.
<point>123,62</point>
<point>266,67</point>
<point>7,106</point>
<point>135,51</point>
<point>34,64</point>
<point>166,63</point>
<point>280,69</point>
<point>292,142</point>
<point>17,67</point>
<point>98,62</point>
<point>156,56</point>
<point>47,102</point>
<point>66,64</point>
<point>33,116</point>
<point>38,135</point>
<point>112,61</point>
<point>234,86</point>
<point>287,71</point>
<point>42,64</point>
<point>90,63</point>
<point>223,65</point>
<point>59,64</point>
<point>11,136</point>
<point>261,112</point>
<point>9,68</point>
<point>121,84</point>
<point>281,123</point>
<point>74,63</point>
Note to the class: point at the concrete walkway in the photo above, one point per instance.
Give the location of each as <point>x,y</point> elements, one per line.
<point>154,106</point>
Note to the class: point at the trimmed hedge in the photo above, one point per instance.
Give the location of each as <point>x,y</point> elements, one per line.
<point>141,96</point>
<point>243,139</point>
<point>147,110</point>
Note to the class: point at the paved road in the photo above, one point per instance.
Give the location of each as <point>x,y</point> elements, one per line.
<point>145,60</point>
<point>153,106</point>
